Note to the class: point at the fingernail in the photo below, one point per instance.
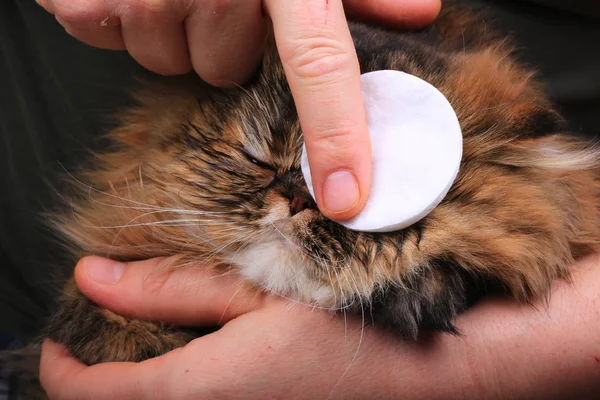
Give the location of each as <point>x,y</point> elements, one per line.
<point>340,192</point>
<point>105,271</point>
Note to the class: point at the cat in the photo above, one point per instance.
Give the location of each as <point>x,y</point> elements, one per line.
<point>202,175</point>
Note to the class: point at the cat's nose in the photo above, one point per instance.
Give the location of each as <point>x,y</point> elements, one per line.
<point>300,201</point>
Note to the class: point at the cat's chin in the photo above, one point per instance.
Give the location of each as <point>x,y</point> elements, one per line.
<point>278,269</point>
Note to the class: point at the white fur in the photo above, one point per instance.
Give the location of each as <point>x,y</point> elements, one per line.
<point>568,159</point>
<point>275,267</point>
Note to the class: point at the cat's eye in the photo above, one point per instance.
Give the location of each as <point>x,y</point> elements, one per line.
<point>259,163</point>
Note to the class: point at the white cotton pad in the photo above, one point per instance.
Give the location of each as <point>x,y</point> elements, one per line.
<point>417,149</point>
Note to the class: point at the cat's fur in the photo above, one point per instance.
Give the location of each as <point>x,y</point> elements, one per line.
<point>201,174</point>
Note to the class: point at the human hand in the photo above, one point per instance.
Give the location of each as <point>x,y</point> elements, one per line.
<point>223,42</point>
<point>269,348</point>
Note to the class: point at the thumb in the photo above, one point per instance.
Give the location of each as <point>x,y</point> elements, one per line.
<point>187,296</point>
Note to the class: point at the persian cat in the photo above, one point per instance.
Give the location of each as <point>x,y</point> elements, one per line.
<point>201,175</point>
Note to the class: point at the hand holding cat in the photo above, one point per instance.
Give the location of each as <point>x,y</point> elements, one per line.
<point>269,348</point>
<point>223,41</point>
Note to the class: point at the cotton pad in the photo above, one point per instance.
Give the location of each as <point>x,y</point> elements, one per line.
<point>417,148</point>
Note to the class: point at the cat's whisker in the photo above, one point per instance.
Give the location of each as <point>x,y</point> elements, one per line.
<point>299,302</point>
<point>158,209</point>
<point>141,206</point>
<point>204,262</point>
<point>141,179</point>
<point>91,188</point>
<point>208,238</point>
<point>332,286</point>
<point>360,340</point>
<point>218,250</point>
<point>163,223</point>
<point>166,222</point>
<point>303,251</point>
<point>228,304</point>
<point>127,186</point>
<point>179,222</point>
<point>228,272</point>
<point>342,299</point>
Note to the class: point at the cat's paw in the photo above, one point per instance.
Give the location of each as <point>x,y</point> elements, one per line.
<point>427,299</point>
<point>95,335</point>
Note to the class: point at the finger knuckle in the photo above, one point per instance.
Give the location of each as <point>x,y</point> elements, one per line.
<point>156,282</point>
<point>338,137</point>
<point>152,6</point>
<point>319,59</point>
<point>153,12</point>
<point>335,146</point>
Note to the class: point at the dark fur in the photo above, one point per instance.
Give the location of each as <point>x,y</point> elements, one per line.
<point>98,334</point>
<point>523,207</point>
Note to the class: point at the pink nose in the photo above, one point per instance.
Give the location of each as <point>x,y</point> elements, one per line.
<point>300,201</point>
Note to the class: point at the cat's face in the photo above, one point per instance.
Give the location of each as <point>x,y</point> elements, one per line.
<point>239,161</point>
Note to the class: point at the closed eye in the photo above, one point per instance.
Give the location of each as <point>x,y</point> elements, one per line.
<point>259,163</point>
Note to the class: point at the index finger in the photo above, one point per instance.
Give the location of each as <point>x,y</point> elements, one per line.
<point>322,69</point>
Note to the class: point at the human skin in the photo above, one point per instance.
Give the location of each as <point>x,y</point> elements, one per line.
<point>271,348</point>
<point>222,40</point>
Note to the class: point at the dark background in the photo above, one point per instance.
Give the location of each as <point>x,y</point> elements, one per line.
<point>55,94</point>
